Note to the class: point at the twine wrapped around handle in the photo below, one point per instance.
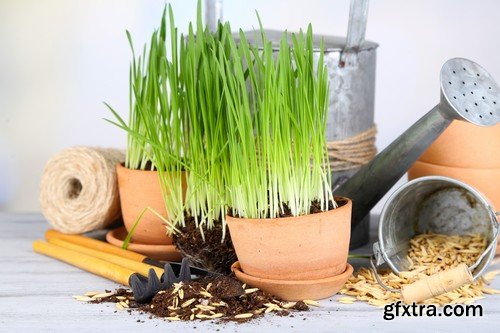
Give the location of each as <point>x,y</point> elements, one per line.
<point>353,152</point>
<point>79,190</point>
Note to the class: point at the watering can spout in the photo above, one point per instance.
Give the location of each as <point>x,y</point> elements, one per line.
<point>467,93</point>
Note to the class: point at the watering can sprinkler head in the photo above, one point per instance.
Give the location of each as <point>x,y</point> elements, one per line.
<point>468,93</point>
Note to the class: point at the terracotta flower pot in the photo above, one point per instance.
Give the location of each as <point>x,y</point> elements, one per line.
<point>139,189</point>
<point>465,145</point>
<point>308,247</point>
<point>484,180</point>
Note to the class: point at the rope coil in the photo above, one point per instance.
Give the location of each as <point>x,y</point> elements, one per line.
<point>79,190</point>
<point>353,152</point>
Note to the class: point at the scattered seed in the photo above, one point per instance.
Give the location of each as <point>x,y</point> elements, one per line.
<point>92,293</point>
<point>173,318</point>
<point>288,305</point>
<point>491,291</point>
<point>208,286</point>
<point>216,315</point>
<point>119,306</point>
<point>188,303</point>
<point>243,315</point>
<point>202,316</point>
<point>125,305</point>
<point>251,290</point>
<point>346,299</point>
<point>121,298</point>
<point>102,295</point>
<point>83,298</point>
<point>205,307</point>
<point>206,294</point>
<point>311,302</point>
<point>181,293</point>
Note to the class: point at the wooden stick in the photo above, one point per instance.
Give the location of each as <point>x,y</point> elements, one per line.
<point>136,266</point>
<point>95,244</point>
<point>90,264</point>
<point>436,284</point>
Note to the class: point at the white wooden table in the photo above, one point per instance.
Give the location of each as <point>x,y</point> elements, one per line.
<point>35,296</point>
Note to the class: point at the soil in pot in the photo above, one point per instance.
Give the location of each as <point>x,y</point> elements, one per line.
<point>211,254</point>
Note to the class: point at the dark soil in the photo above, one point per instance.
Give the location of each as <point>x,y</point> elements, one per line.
<point>211,298</point>
<point>211,254</point>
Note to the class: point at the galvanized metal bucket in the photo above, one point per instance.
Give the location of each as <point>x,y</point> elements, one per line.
<point>439,205</point>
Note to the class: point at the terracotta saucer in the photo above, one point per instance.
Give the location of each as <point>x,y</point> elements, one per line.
<point>296,290</point>
<point>158,252</point>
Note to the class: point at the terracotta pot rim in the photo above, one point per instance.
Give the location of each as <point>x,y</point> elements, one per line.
<point>347,272</point>
<point>346,205</point>
<point>122,166</point>
<point>453,167</point>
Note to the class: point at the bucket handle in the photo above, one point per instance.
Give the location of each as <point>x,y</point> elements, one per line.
<point>438,283</point>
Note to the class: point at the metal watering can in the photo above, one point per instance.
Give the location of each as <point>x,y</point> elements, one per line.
<point>468,93</point>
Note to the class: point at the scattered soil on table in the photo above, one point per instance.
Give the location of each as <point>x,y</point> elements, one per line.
<point>201,253</point>
<point>210,298</point>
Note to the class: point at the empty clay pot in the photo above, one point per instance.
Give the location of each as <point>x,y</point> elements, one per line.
<point>296,290</point>
<point>465,145</point>
<point>140,189</point>
<point>308,247</point>
<point>484,180</point>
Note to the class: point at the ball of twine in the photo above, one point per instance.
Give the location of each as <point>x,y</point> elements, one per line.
<point>79,190</point>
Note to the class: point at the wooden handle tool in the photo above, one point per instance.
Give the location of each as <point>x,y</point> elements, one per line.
<point>98,245</point>
<point>437,284</point>
<point>133,265</point>
<point>88,263</point>
<point>95,244</point>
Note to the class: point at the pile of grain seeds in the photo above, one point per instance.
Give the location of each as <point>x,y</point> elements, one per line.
<point>428,254</point>
<point>220,297</point>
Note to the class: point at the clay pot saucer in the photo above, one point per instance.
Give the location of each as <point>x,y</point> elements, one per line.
<point>296,290</point>
<point>159,252</point>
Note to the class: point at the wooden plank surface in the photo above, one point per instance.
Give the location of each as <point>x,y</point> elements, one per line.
<point>35,296</point>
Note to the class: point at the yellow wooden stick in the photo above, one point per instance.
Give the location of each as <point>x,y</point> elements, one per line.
<point>136,266</point>
<point>87,263</point>
<point>94,244</point>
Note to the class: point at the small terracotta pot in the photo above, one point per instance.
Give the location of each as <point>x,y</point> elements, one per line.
<point>485,181</point>
<point>308,247</point>
<point>465,145</point>
<point>140,189</point>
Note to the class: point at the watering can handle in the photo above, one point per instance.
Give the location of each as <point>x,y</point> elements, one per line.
<point>437,284</point>
<point>356,29</point>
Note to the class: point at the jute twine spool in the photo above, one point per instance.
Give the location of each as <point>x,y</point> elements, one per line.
<point>79,191</point>
<point>353,152</point>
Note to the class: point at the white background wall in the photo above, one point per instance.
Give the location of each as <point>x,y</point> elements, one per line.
<point>60,59</point>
